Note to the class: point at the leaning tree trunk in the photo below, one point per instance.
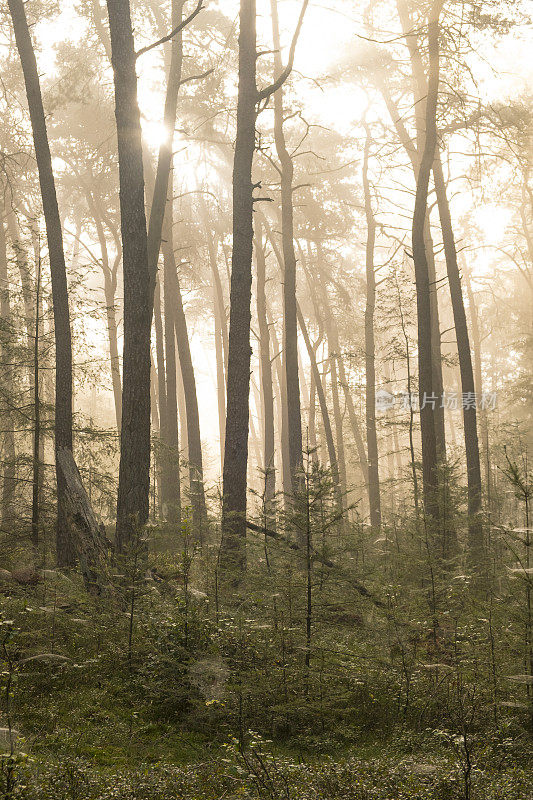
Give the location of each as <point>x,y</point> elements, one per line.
<point>374,494</point>
<point>423,290</point>
<point>63,344</point>
<point>473,466</point>
<point>134,469</point>
<point>290,325</point>
<point>233,544</point>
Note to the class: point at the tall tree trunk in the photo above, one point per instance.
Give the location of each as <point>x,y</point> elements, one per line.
<point>282,415</point>
<point>9,454</point>
<point>63,388</point>
<point>330,442</point>
<point>164,160</point>
<point>269,465</point>
<point>36,466</point>
<point>409,395</point>
<point>172,490</point>
<point>157,503</point>
<point>333,337</point>
<point>221,335</point>
<point>473,466</point>
<point>110,288</point>
<point>290,326</point>
<point>374,494</point>
<point>233,545</point>
<point>423,291</point>
<point>337,418</point>
<point>282,381</point>
<point>419,89</point>
<point>478,380</point>
<point>134,469</point>
<point>196,471</point>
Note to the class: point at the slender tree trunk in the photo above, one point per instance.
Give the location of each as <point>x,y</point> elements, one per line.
<point>423,292</point>
<point>21,260</point>
<point>282,414</point>
<point>330,442</point>
<point>337,418</point>
<point>269,465</point>
<point>473,466</point>
<point>354,421</point>
<point>282,381</point>
<point>196,472</point>
<point>312,418</point>
<point>9,483</point>
<point>478,381</point>
<point>172,460</point>
<point>134,469</point>
<point>374,494</point>
<point>409,395</point>
<point>164,160</point>
<point>114,359</point>
<point>221,334</point>
<point>63,389</point>
<point>419,89</point>
<point>233,545</point>
<point>290,326</point>
<point>110,288</point>
<point>36,476</point>
<point>157,503</point>
<point>333,337</point>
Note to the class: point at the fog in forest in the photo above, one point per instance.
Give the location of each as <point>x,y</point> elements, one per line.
<point>266,335</point>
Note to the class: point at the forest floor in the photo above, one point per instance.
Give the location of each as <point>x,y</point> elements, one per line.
<point>93,713</point>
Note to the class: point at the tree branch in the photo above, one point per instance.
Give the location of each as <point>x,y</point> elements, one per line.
<point>183,24</point>
<point>264,94</point>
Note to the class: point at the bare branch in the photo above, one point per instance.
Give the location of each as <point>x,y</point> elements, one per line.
<point>183,24</point>
<point>265,93</point>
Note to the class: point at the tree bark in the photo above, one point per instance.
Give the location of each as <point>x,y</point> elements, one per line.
<point>233,544</point>
<point>134,469</point>
<point>63,344</point>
